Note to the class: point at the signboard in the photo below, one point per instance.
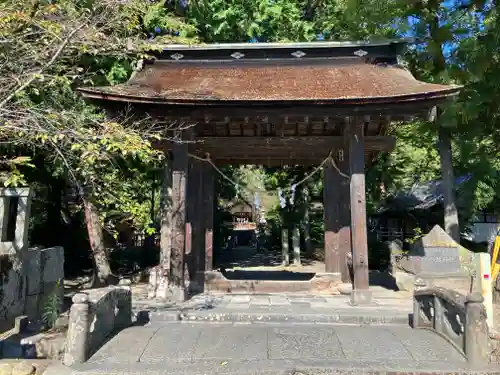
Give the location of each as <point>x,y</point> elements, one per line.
<point>439,260</point>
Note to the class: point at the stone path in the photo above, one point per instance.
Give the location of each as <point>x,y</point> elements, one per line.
<point>186,348</point>
<point>388,308</point>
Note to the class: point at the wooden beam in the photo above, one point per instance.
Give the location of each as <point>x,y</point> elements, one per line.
<point>269,162</point>
<point>359,235</point>
<point>377,143</point>
<point>396,109</point>
<point>259,148</point>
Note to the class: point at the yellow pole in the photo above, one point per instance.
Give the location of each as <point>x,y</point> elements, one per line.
<point>496,248</point>
<point>495,260</point>
<point>484,283</point>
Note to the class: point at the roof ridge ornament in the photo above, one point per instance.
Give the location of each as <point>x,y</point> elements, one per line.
<point>298,54</point>
<point>360,53</point>
<point>177,56</point>
<point>237,55</point>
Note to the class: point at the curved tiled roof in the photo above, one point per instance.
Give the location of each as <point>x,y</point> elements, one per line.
<point>328,75</point>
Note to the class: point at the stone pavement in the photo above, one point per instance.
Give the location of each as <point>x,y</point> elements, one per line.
<point>388,308</point>
<point>193,348</point>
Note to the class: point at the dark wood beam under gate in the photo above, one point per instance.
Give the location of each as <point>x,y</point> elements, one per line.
<point>359,237</point>
<point>179,184</point>
<point>226,146</point>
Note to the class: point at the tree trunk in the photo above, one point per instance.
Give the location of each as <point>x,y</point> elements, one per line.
<point>307,225</point>
<point>296,245</point>
<point>284,247</point>
<point>96,238</point>
<point>451,225</point>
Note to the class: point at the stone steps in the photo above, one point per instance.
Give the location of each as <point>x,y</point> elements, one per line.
<point>274,367</point>
<point>357,317</point>
<point>277,309</point>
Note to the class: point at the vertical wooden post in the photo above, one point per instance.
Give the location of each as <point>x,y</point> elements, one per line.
<point>159,276</point>
<point>344,223</point>
<point>194,219</point>
<point>166,214</point>
<point>359,235</point>
<point>331,214</point>
<point>337,214</point>
<point>208,212</point>
<point>179,184</point>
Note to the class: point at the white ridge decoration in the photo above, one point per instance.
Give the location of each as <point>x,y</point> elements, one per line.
<point>177,56</point>
<point>360,53</point>
<point>237,55</point>
<point>298,54</point>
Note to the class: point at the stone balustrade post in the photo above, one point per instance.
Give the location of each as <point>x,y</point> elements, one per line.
<point>78,331</point>
<point>419,284</point>
<point>124,316</point>
<point>438,315</point>
<point>476,331</point>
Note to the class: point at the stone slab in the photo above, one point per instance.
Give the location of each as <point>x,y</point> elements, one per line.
<point>182,348</point>
<point>53,264</point>
<point>173,341</point>
<point>304,341</point>
<point>227,341</point>
<point>279,300</point>
<point>425,345</point>
<point>125,347</point>
<point>32,266</point>
<point>278,367</point>
<point>371,343</point>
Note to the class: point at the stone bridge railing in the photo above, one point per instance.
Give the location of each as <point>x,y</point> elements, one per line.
<point>460,319</point>
<point>94,316</point>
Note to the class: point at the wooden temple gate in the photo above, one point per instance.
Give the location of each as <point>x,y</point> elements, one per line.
<point>274,104</point>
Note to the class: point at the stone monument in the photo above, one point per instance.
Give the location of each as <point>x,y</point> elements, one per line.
<point>435,258</point>
<point>27,276</point>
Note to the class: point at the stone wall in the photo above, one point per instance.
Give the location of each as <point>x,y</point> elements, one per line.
<point>26,283</point>
<point>27,276</point>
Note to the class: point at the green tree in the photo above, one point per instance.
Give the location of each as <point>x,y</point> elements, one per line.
<point>47,49</point>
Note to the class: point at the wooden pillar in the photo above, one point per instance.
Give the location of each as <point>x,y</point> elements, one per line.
<point>194,223</point>
<point>166,214</point>
<point>208,214</point>
<point>159,276</point>
<point>337,214</point>
<point>359,236</point>
<point>330,208</point>
<point>177,256</point>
